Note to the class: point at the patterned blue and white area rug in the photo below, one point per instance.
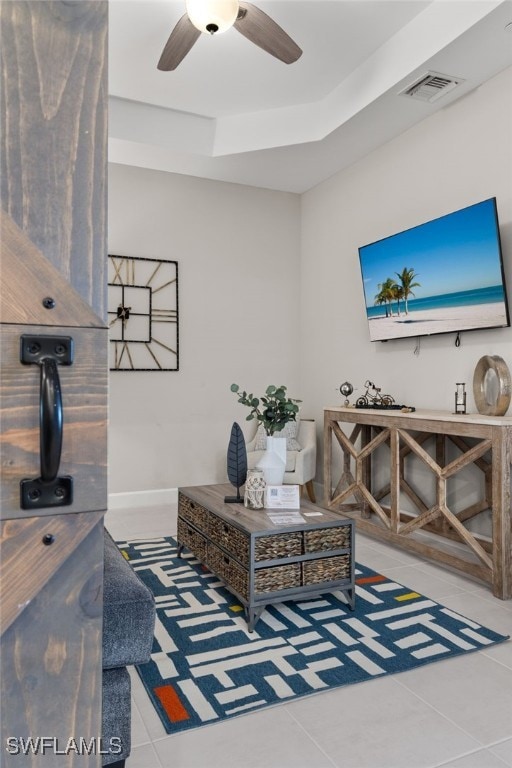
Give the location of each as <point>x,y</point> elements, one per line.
<point>207,666</point>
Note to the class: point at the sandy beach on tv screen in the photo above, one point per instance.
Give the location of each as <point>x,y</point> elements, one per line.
<point>444,320</point>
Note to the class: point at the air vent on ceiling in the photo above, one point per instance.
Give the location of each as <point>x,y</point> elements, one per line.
<point>431,86</point>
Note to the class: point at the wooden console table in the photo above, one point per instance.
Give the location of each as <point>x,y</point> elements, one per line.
<point>371,474</point>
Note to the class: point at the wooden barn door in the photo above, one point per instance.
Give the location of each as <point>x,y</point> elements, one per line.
<point>53,379</point>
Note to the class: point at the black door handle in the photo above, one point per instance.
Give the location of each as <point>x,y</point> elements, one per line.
<point>48,490</point>
<point>50,420</point>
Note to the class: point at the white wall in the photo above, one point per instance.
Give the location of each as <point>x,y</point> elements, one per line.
<point>459,156</point>
<point>238,253</point>
<point>252,262</point>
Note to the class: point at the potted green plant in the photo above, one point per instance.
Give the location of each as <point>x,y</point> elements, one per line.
<point>273,410</point>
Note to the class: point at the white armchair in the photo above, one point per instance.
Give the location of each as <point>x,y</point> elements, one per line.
<point>300,465</point>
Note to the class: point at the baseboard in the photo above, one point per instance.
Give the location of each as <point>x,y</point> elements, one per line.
<point>132,499</point>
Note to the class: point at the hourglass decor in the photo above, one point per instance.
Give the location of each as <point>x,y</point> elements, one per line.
<point>460,397</point>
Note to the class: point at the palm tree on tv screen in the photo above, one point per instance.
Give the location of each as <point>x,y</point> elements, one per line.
<point>386,294</point>
<point>398,295</point>
<point>379,300</point>
<point>406,277</point>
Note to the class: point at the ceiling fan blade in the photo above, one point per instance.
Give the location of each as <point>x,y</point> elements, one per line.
<point>256,26</point>
<point>181,40</point>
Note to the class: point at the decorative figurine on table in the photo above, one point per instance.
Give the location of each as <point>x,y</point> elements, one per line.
<point>346,390</point>
<point>236,463</point>
<point>372,398</point>
<point>254,489</point>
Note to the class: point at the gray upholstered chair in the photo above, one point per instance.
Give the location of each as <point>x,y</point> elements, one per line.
<point>128,630</point>
<point>300,454</point>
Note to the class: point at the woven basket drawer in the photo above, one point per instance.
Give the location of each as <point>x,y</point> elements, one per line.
<point>277,545</point>
<point>277,578</point>
<point>325,539</point>
<point>326,569</point>
<point>228,570</point>
<point>192,511</point>
<point>232,539</point>
<point>191,539</point>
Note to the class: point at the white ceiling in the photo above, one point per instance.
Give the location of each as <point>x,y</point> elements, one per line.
<point>232,112</point>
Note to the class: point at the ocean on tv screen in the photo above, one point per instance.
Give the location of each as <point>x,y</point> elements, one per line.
<point>444,313</point>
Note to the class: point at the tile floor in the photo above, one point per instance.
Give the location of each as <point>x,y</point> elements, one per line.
<point>456,713</point>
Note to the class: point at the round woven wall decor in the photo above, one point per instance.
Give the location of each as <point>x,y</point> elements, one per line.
<point>492,364</point>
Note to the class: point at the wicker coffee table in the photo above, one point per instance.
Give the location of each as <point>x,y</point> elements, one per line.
<point>261,562</point>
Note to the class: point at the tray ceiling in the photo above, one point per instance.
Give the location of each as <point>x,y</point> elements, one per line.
<point>232,112</point>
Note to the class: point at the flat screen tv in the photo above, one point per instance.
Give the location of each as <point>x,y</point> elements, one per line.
<point>443,276</point>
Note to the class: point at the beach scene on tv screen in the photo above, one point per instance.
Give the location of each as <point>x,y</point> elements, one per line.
<point>442,276</point>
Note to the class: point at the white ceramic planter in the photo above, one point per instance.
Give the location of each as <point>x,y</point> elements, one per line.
<point>273,461</point>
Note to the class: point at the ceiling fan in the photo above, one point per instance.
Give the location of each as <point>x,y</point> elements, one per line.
<point>214,16</point>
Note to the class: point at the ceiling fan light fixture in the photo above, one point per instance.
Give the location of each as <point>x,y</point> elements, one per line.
<point>212,16</point>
